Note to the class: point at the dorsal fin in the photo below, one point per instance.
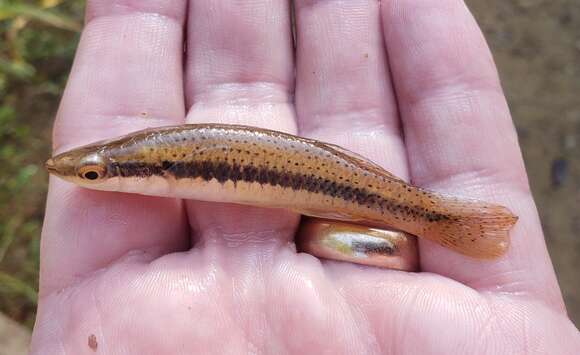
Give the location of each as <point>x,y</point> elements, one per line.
<point>362,161</point>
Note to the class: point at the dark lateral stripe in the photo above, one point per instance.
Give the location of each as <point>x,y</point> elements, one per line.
<point>223,171</point>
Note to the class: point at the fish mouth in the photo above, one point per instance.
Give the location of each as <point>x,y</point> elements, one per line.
<point>50,166</point>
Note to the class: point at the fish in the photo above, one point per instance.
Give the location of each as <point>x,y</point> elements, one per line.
<point>266,168</point>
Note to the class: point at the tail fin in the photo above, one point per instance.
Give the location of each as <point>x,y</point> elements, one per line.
<point>472,228</point>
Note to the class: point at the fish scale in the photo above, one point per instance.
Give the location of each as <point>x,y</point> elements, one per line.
<point>249,165</point>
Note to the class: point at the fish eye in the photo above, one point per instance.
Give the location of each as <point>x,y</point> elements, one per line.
<point>91,175</point>
<point>91,172</point>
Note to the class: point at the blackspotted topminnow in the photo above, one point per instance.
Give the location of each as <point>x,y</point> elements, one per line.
<point>249,165</point>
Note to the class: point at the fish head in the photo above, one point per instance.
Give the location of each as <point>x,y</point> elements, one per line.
<point>86,166</point>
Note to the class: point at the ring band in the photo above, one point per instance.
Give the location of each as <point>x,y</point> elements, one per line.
<point>358,244</point>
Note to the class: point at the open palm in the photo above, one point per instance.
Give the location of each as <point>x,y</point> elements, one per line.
<point>408,84</point>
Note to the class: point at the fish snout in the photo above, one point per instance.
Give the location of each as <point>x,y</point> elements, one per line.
<point>50,166</point>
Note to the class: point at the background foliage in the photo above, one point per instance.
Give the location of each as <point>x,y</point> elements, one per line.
<point>37,43</point>
<point>536,44</point>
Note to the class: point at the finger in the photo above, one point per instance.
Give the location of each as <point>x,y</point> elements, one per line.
<point>127,76</point>
<point>461,140</point>
<point>343,89</point>
<point>240,70</point>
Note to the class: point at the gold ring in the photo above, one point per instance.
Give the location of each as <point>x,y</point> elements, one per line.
<point>358,244</point>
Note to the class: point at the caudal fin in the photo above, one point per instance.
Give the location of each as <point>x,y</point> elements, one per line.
<point>472,228</point>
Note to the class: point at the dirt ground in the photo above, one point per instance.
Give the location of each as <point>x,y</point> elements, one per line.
<point>536,44</point>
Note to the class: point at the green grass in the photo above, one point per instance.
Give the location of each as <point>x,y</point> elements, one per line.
<point>37,44</point>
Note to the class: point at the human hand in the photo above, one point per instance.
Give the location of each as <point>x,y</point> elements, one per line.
<point>125,273</point>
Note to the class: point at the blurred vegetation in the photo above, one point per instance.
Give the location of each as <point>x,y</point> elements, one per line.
<point>37,44</point>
